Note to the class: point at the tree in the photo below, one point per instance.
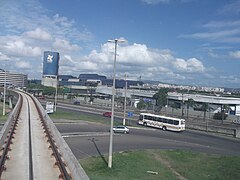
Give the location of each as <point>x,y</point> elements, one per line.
<point>141,105</point>
<point>175,105</point>
<point>161,97</point>
<point>190,103</point>
<point>204,108</point>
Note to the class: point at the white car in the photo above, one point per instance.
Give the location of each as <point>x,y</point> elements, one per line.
<point>120,129</point>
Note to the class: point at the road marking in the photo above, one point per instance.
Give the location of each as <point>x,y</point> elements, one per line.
<point>86,134</point>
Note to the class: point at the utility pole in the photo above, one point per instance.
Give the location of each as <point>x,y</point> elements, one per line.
<point>125,101</point>
<point>115,41</point>
<point>4,93</point>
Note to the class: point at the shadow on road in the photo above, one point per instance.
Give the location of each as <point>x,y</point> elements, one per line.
<point>99,152</point>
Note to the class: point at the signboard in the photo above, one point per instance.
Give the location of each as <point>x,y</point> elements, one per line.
<point>50,63</point>
<point>49,107</point>
<point>130,114</point>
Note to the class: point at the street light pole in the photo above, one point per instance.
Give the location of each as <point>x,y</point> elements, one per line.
<point>55,102</point>
<point>116,41</point>
<point>125,101</point>
<point>4,93</point>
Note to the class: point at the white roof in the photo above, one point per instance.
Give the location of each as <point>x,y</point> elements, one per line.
<point>204,98</point>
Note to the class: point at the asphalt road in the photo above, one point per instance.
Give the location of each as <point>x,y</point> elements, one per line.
<point>91,139</point>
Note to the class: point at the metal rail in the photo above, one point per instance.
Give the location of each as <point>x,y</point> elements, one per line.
<point>30,144</point>
<point>59,162</point>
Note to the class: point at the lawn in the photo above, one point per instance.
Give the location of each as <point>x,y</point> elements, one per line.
<point>159,164</point>
<point>3,119</point>
<point>78,116</point>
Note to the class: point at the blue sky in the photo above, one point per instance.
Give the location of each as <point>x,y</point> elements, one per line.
<point>189,42</point>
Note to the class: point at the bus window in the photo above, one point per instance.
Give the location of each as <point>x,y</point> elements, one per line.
<point>170,121</point>
<point>159,119</point>
<point>155,118</point>
<point>149,117</point>
<point>176,122</point>
<point>165,121</point>
<point>141,117</point>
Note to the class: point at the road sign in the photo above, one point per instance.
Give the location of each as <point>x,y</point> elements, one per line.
<point>130,114</point>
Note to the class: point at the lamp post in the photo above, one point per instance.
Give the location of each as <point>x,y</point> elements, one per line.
<point>55,101</point>
<point>4,93</point>
<point>125,101</point>
<point>116,41</point>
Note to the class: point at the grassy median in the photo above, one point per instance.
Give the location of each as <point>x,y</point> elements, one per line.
<point>78,116</point>
<point>158,164</point>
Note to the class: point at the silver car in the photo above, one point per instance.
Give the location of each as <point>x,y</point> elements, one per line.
<point>120,129</point>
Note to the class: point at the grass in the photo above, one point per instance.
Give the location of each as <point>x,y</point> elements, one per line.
<point>171,164</point>
<point>78,116</point>
<point>3,119</point>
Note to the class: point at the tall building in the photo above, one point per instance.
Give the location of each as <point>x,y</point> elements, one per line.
<point>50,68</point>
<point>13,79</point>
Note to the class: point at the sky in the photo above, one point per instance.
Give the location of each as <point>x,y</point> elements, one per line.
<point>184,42</point>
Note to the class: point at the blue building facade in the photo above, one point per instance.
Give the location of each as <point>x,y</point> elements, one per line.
<point>50,63</point>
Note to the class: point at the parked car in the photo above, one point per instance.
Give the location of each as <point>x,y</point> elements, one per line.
<point>107,114</point>
<point>77,103</point>
<point>120,129</point>
<point>41,97</point>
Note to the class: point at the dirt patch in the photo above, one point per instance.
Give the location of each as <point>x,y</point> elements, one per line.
<point>168,165</point>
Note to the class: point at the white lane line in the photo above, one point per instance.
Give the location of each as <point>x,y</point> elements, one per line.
<point>67,135</point>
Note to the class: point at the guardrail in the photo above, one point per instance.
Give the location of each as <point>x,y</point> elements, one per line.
<point>4,131</point>
<point>235,132</point>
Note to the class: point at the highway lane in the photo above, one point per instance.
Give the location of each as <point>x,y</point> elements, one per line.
<point>91,139</point>
<point>98,110</point>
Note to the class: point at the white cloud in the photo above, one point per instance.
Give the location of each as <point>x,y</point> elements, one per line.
<point>39,34</point>
<point>235,54</point>
<point>192,65</point>
<point>23,65</point>
<point>33,15</point>
<point>230,8</point>
<point>218,36</point>
<point>19,48</point>
<point>3,57</point>
<point>138,59</point>
<point>155,1</point>
<point>64,45</point>
<point>221,24</point>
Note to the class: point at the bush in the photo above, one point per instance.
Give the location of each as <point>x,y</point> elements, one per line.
<point>219,116</point>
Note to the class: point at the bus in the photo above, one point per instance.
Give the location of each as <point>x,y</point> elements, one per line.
<point>163,122</point>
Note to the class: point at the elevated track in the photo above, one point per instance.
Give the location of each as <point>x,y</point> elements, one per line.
<point>32,148</point>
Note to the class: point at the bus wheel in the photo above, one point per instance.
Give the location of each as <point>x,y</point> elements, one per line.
<point>164,128</point>
<point>145,124</point>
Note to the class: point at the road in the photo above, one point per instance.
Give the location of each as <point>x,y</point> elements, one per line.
<point>91,139</point>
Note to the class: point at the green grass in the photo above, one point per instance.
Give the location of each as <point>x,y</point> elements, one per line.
<point>189,165</point>
<point>78,116</point>
<point>3,119</point>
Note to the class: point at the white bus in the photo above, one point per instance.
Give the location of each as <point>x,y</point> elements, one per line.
<point>163,122</point>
